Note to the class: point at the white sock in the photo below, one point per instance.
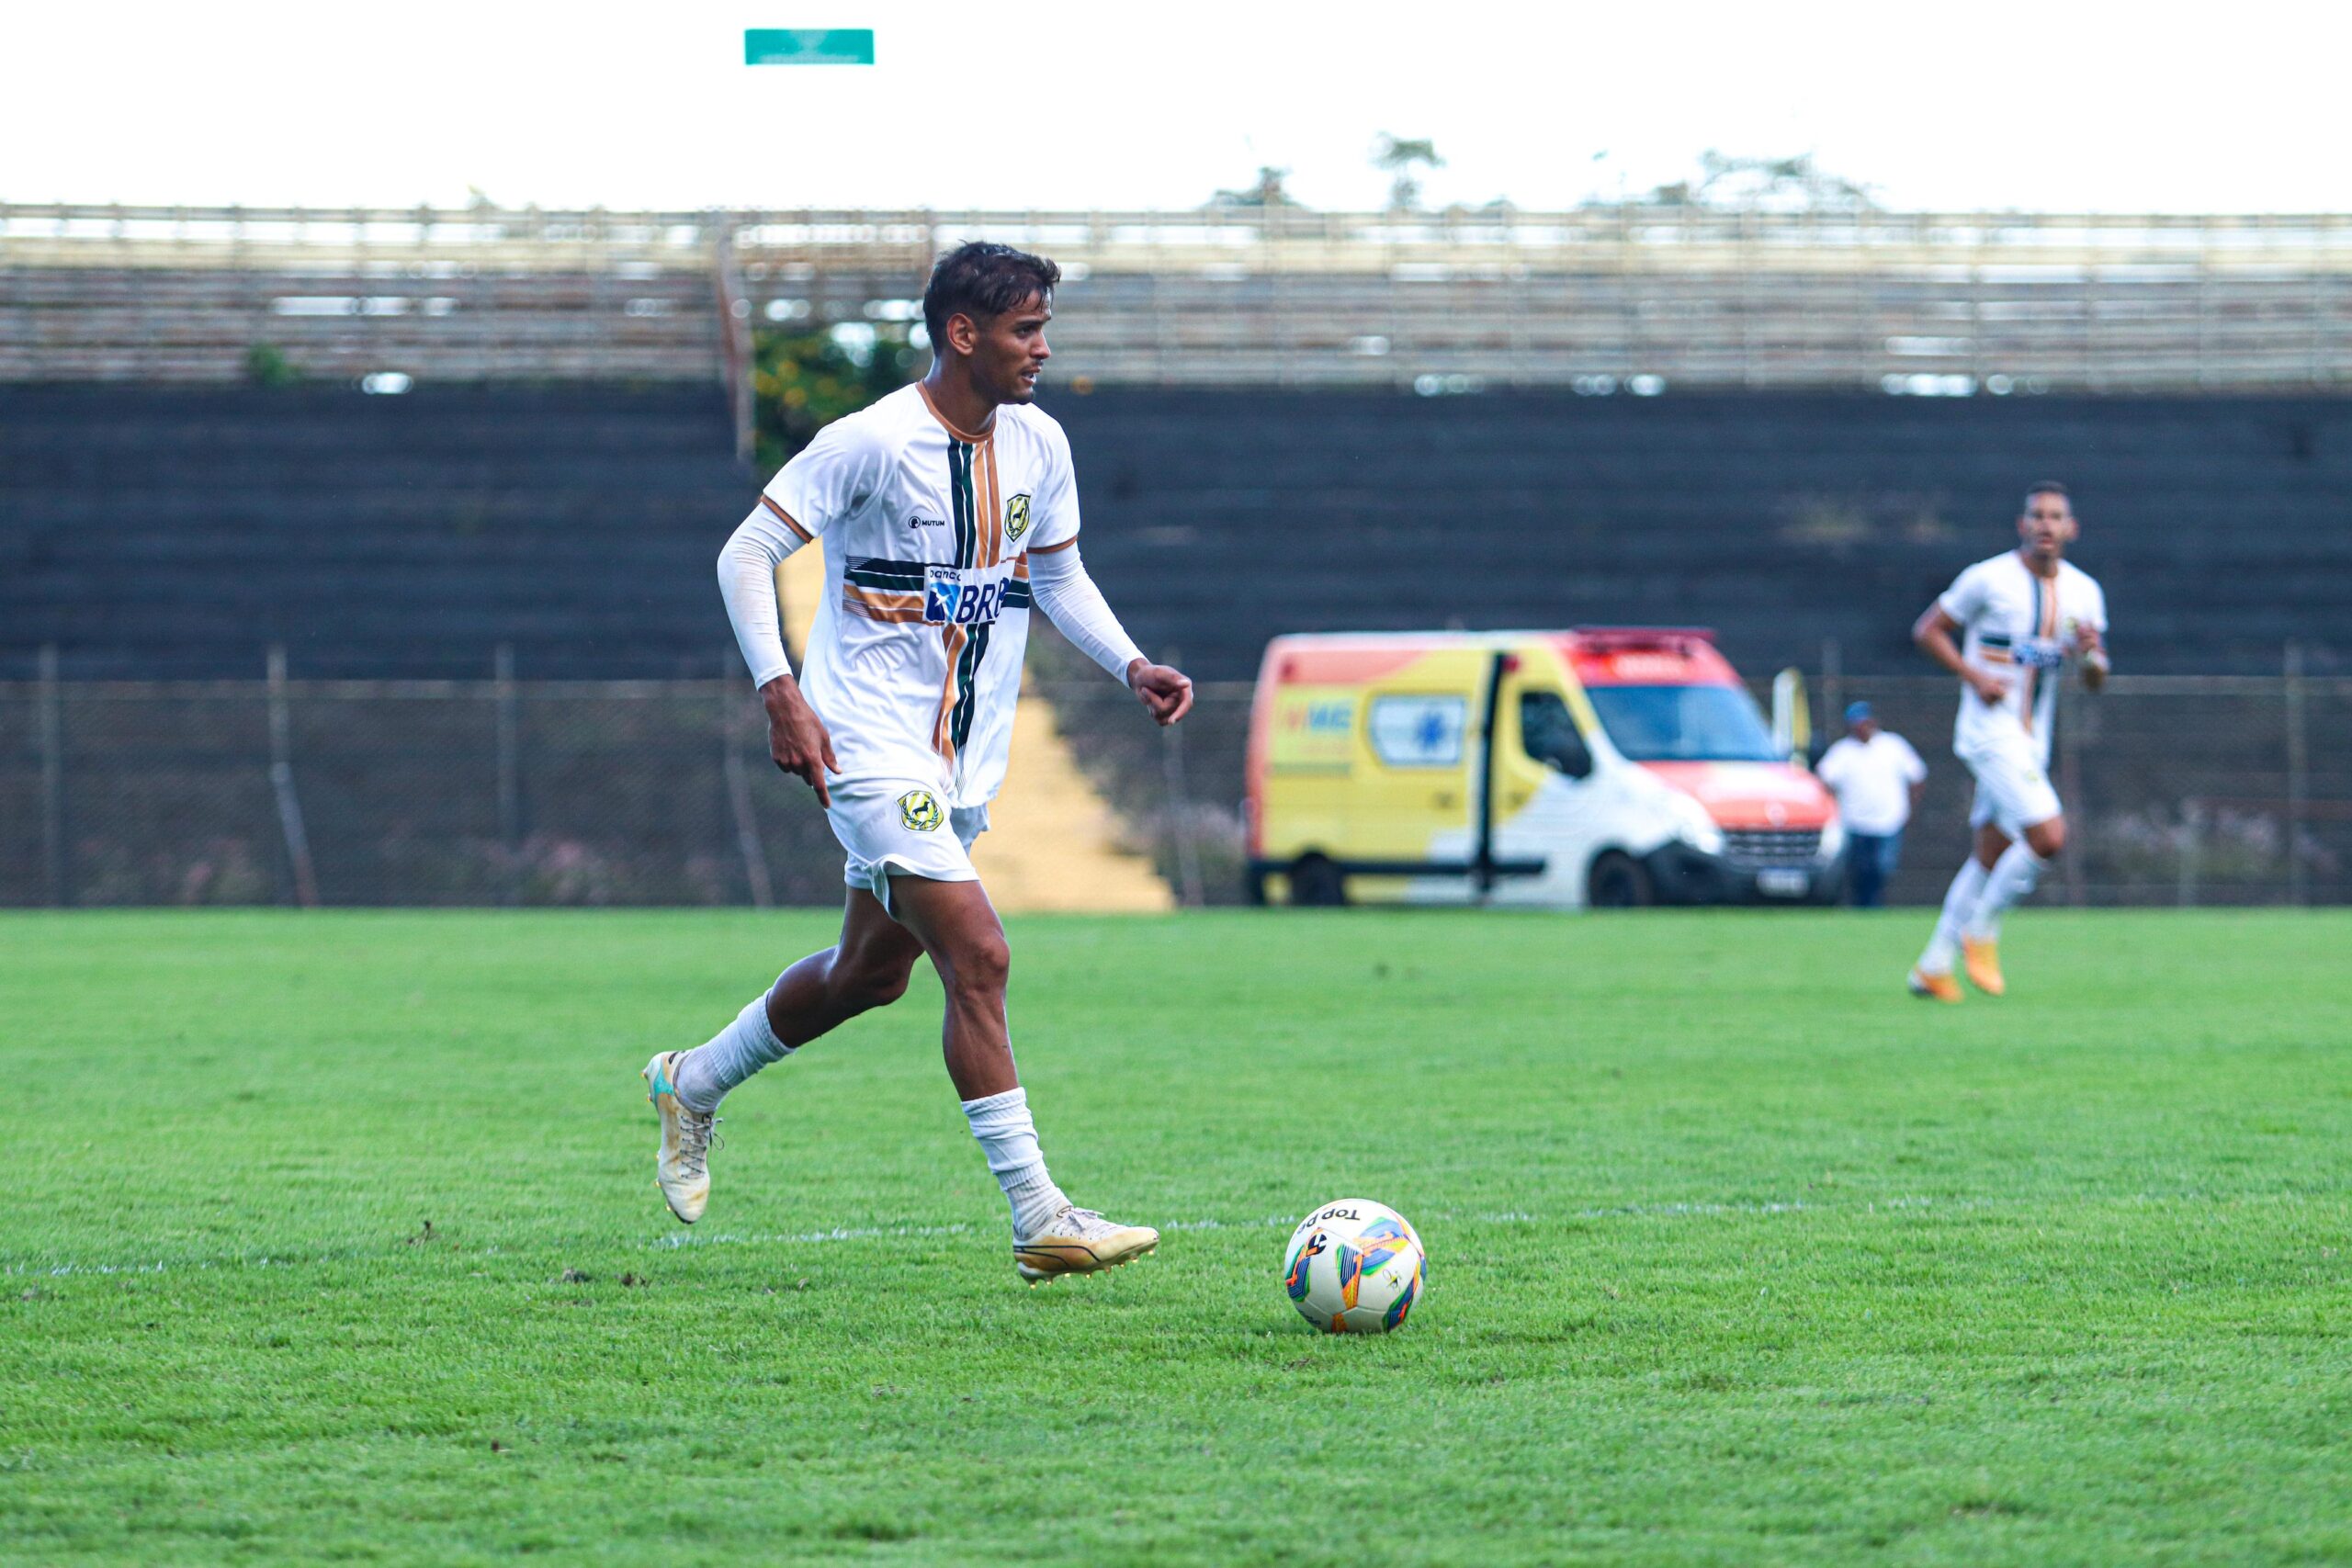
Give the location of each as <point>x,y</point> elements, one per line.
<point>2012,879</point>
<point>1960,899</point>
<point>1008,1137</point>
<point>706,1073</point>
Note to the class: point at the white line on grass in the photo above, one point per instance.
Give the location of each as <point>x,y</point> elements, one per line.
<point>839,1234</point>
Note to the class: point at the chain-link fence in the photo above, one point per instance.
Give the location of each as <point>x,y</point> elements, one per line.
<point>2178,790</point>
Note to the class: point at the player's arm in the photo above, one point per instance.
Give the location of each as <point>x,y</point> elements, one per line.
<point>1059,584</point>
<point>2090,647</point>
<point>1933,631</point>
<point>797,737</point>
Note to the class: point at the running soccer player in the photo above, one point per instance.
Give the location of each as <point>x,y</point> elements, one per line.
<point>2019,614</point>
<point>947,509</point>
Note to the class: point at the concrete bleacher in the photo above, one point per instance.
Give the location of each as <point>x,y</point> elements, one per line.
<point>178,532</point>
<point>1216,520</point>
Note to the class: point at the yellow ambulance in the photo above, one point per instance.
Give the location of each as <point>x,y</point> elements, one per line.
<point>1605,765</point>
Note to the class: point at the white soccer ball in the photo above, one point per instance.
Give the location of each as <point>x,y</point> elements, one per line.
<point>1354,1267</point>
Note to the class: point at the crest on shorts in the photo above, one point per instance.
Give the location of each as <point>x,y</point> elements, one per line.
<point>919,811</point>
<point>1016,518</point>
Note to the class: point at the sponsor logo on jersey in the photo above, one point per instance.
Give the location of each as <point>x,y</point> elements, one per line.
<point>1016,518</point>
<point>920,811</point>
<point>964,595</point>
<point>926,522</point>
<point>2039,652</point>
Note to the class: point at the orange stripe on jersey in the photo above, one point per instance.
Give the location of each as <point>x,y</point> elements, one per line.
<point>872,613</point>
<point>992,537</point>
<point>786,519</point>
<point>882,598</point>
<point>942,741</point>
<point>1049,550</point>
<point>874,605</point>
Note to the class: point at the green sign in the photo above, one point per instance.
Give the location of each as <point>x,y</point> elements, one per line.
<point>808,46</point>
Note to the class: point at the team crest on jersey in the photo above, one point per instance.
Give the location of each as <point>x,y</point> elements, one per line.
<point>920,811</point>
<point>1016,518</point>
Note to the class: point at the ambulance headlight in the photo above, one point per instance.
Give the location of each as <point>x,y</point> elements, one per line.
<point>1695,828</point>
<point>1833,838</point>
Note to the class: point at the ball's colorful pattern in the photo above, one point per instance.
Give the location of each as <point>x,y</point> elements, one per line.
<point>1354,1267</point>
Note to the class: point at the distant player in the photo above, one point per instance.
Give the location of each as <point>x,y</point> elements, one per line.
<point>2019,616</point>
<point>946,508</point>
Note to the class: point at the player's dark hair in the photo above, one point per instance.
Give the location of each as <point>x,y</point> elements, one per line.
<point>980,279</point>
<point>2048,487</point>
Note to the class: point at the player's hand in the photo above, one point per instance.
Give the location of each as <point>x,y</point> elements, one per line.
<point>1166,694</point>
<point>1989,688</point>
<point>797,737</point>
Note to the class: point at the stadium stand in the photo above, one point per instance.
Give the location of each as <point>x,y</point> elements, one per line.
<point>1216,520</point>
<point>178,532</point>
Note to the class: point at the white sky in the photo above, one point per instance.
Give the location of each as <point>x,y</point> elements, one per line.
<point>2047,106</point>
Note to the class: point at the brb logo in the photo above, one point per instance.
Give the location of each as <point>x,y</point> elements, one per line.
<point>963,595</point>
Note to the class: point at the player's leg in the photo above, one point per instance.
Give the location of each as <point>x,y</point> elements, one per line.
<point>868,968</point>
<point>2026,809</point>
<point>958,928</point>
<point>1932,975</point>
<point>2013,875</point>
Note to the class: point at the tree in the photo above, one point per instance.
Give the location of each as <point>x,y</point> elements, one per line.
<point>1267,193</point>
<point>1399,158</point>
<point>802,381</point>
<point>1764,184</point>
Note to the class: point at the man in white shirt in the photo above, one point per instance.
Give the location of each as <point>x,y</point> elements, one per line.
<point>947,509</point>
<point>1876,778</point>
<point>2021,617</point>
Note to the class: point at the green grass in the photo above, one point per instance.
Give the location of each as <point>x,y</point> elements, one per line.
<point>1737,1255</point>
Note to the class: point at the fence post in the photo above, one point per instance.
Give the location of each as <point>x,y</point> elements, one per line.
<point>1833,689</point>
<point>739,797</point>
<point>506,722</point>
<point>2298,761</point>
<point>281,783</point>
<point>1188,854</point>
<point>2070,789</point>
<point>52,778</point>
<point>2193,850</point>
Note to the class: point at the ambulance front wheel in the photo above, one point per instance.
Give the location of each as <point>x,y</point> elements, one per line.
<point>1620,881</point>
<point>1314,881</point>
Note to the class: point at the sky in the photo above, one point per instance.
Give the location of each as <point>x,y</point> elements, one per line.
<point>2047,107</point>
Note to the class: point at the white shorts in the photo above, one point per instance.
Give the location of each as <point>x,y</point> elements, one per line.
<point>890,825</point>
<point>2013,793</point>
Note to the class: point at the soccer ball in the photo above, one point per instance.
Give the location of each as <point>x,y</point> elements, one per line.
<point>1354,1267</point>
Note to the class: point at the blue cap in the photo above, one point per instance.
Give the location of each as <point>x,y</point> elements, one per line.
<point>1857,712</point>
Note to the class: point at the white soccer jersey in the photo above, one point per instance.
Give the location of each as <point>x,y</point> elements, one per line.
<point>914,664</point>
<point>2022,627</point>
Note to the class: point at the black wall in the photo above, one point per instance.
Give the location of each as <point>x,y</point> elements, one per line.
<point>179,532</point>
<point>2220,528</point>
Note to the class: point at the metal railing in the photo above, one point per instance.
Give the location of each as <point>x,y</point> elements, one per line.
<point>2180,790</point>
<point>1602,297</point>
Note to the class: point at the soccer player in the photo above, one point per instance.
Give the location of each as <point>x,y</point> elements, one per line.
<point>947,509</point>
<point>2019,615</point>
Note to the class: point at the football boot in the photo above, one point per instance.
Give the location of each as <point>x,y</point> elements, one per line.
<point>682,1167</point>
<point>1938,988</point>
<point>1080,1241</point>
<point>1982,961</point>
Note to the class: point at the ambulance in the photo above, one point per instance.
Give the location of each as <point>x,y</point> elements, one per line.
<point>1607,765</point>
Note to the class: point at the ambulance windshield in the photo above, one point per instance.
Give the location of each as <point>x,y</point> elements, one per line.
<point>1683,723</point>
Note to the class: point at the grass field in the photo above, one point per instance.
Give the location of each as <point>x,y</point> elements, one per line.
<point>334,1237</point>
